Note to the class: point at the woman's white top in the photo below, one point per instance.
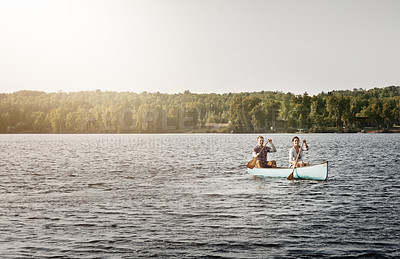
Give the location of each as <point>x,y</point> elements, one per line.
<point>293,154</point>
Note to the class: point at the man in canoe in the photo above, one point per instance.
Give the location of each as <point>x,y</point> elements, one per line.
<point>294,153</point>
<point>260,153</point>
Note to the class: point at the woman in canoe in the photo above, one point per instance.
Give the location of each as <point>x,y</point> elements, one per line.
<point>294,151</point>
<point>260,152</point>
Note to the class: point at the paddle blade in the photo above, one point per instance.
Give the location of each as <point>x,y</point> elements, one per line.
<point>252,163</point>
<point>290,177</point>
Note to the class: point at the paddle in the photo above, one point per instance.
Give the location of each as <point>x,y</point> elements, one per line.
<point>290,177</point>
<point>253,162</point>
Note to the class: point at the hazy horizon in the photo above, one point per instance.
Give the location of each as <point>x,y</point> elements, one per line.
<point>206,46</point>
<point>153,92</point>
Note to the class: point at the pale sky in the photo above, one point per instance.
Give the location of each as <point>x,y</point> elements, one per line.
<point>204,46</point>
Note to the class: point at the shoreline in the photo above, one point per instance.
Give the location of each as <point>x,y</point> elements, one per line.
<point>198,132</point>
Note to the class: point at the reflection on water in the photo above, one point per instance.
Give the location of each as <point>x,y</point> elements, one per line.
<point>90,196</point>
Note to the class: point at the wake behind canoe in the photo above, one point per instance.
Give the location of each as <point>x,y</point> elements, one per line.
<point>312,172</point>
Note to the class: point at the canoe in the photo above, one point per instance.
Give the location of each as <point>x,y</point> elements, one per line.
<point>312,172</point>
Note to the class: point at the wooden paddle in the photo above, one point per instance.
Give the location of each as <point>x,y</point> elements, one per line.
<point>290,177</point>
<point>253,162</point>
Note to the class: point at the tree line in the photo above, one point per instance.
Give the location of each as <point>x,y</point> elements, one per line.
<point>127,112</point>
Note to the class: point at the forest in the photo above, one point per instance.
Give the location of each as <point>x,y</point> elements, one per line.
<point>98,111</point>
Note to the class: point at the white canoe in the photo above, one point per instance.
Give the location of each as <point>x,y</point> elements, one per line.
<point>312,172</point>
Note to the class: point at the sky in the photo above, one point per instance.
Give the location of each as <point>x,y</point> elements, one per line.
<point>204,46</point>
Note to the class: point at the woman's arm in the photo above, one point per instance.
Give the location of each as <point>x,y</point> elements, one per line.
<point>291,156</point>
<point>305,146</point>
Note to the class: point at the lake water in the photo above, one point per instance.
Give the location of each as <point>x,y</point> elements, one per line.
<point>189,196</point>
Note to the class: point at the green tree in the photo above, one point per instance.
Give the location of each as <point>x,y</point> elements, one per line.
<point>41,124</point>
<point>241,113</point>
<point>339,110</point>
<point>374,112</point>
<point>389,112</point>
<point>301,110</point>
<point>318,112</point>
